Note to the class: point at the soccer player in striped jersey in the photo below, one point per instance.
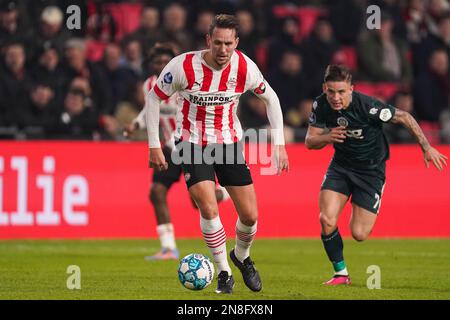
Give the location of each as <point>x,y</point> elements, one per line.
<point>160,55</point>
<point>210,83</point>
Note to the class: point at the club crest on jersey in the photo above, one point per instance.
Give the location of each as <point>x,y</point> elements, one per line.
<point>168,78</point>
<point>373,111</point>
<point>261,88</point>
<point>314,105</point>
<point>385,115</point>
<point>232,82</point>
<point>342,122</point>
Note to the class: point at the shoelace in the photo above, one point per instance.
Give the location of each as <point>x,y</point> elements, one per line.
<point>223,277</point>
<point>249,266</point>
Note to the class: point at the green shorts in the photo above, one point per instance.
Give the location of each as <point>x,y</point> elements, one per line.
<point>364,186</point>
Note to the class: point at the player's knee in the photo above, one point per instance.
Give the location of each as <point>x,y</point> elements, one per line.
<point>194,205</point>
<point>208,210</point>
<point>327,222</point>
<point>158,194</point>
<point>360,234</point>
<point>250,219</point>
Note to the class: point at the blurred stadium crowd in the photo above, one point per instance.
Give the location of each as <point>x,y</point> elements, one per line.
<point>57,83</point>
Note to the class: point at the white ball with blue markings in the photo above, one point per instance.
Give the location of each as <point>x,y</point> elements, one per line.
<point>195,271</point>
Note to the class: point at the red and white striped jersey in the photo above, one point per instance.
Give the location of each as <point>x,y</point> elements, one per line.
<point>207,113</point>
<point>167,119</point>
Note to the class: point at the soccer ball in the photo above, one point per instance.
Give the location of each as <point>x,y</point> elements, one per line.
<point>195,271</point>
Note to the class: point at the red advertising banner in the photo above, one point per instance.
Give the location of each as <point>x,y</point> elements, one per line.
<point>100,190</point>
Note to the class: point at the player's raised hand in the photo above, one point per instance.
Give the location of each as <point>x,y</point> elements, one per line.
<point>129,129</point>
<point>157,159</point>
<point>436,157</point>
<point>337,135</point>
<point>283,161</point>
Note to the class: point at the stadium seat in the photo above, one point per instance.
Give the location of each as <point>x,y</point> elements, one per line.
<point>282,11</point>
<point>367,88</point>
<point>262,57</point>
<point>126,16</point>
<point>387,89</point>
<point>383,90</point>
<point>94,50</point>
<point>431,131</point>
<point>307,17</point>
<point>346,55</point>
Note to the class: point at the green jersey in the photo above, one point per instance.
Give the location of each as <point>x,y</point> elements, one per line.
<point>366,146</point>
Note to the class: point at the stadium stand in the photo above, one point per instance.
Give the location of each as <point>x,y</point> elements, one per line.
<point>273,28</point>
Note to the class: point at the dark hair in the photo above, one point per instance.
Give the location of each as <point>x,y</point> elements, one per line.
<point>127,40</point>
<point>336,72</point>
<point>224,21</point>
<point>444,16</point>
<point>160,49</point>
<point>14,42</point>
<point>46,46</point>
<point>8,5</point>
<point>77,91</point>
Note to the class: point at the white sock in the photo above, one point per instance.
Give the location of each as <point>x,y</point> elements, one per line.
<point>215,238</point>
<point>343,272</point>
<point>244,238</point>
<point>166,236</point>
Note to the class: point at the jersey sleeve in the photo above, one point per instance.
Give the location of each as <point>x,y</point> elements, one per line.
<point>258,85</point>
<point>171,79</point>
<point>317,118</point>
<point>255,80</point>
<point>379,111</point>
<point>145,86</point>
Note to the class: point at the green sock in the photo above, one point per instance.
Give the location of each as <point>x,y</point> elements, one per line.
<point>339,266</point>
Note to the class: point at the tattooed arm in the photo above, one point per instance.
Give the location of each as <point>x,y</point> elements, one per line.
<point>429,153</point>
<point>406,120</point>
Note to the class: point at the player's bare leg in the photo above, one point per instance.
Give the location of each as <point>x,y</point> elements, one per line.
<point>204,195</point>
<point>221,195</point>
<point>361,223</point>
<point>331,204</point>
<point>244,199</point>
<point>158,198</point>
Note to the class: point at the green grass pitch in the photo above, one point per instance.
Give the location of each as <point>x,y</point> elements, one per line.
<point>290,269</point>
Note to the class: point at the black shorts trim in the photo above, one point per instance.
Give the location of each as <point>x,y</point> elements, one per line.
<point>205,163</point>
<point>365,187</point>
<point>171,175</point>
<point>337,191</point>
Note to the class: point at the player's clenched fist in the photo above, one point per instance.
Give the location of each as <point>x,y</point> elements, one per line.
<point>130,129</point>
<point>283,161</point>
<point>337,134</point>
<point>157,159</point>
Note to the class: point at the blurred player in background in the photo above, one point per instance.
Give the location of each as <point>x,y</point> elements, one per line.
<point>160,55</point>
<point>358,166</point>
<point>210,83</point>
